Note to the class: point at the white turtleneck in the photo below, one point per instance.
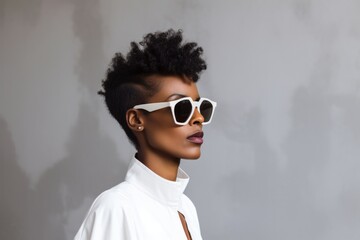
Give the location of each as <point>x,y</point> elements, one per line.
<point>144,207</point>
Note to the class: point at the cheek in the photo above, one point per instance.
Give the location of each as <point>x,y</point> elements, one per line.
<point>165,136</point>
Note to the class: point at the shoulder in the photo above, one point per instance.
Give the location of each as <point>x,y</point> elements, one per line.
<point>116,197</point>
<point>114,203</point>
<point>109,215</point>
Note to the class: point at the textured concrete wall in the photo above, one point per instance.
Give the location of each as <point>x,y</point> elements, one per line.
<point>280,160</point>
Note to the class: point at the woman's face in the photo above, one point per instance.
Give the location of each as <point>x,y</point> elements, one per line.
<point>161,134</point>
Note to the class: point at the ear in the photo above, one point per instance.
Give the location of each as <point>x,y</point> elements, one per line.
<point>134,120</point>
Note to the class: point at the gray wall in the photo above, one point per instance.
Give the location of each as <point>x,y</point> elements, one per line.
<point>280,161</point>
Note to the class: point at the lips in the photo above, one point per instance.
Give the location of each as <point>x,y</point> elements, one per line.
<point>197,137</point>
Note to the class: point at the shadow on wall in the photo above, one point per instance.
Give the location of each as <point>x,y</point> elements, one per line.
<point>293,193</point>
<point>282,195</point>
<point>14,189</point>
<point>84,173</point>
<point>42,211</point>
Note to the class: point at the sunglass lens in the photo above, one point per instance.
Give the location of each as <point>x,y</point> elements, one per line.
<point>206,110</point>
<point>183,110</point>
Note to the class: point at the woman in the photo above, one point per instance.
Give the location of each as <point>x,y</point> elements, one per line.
<point>152,93</point>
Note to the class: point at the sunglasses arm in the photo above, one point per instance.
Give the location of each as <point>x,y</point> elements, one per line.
<point>150,107</point>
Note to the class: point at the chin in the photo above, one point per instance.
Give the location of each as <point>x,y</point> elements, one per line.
<point>192,155</point>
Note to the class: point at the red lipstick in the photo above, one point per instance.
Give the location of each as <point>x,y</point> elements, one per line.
<point>196,138</point>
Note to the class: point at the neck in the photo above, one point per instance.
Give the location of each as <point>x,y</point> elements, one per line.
<point>161,164</point>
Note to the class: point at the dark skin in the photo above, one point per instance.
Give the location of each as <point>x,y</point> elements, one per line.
<point>162,143</point>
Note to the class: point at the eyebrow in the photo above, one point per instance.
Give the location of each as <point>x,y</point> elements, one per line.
<point>180,96</point>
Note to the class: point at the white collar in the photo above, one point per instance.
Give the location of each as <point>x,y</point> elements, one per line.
<point>163,190</point>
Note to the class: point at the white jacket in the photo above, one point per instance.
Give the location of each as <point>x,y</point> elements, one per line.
<point>143,207</point>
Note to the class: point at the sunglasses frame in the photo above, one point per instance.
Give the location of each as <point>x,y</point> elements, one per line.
<point>150,107</point>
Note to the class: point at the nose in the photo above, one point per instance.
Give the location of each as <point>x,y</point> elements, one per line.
<point>196,118</point>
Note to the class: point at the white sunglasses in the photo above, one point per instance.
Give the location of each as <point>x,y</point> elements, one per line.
<point>182,109</point>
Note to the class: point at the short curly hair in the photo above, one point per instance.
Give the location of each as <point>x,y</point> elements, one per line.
<point>127,80</point>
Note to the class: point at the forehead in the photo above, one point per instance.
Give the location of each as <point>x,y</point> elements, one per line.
<point>169,86</point>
